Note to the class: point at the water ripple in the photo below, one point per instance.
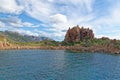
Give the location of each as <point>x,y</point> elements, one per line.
<point>58,65</point>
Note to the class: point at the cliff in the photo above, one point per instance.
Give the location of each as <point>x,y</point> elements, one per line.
<point>76,34</point>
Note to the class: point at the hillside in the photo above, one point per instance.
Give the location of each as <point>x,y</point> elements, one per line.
<point>14,36</point>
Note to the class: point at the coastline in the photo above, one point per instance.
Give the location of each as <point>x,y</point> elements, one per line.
<point>69,48</point>
<point>33,47</point>
<point>76,40</point>
<point>95,49</point>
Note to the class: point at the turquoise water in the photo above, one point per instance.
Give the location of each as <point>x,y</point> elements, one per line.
<point>58,65</point>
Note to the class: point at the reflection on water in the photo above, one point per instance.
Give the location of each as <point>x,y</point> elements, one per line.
<point>58,65</point>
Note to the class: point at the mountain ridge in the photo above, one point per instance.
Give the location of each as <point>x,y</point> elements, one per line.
<point>17,37</point>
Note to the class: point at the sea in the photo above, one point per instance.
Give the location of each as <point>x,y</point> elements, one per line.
<point>58,65</point>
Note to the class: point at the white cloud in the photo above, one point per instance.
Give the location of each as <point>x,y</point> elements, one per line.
<point>74,6</point>
<point>26,32</point>
<point>86,3</point>
<point>50,0</point>
<point>28,24</point>
<point>111,20</point>
<point>109,24</point>
<point>42,33</point>
<point>16,22</point>
<point>10,6</point>
<point>37,9</point>
<point>41,10</point>
<point>16,25</point>
<point>2,24</point>
<point>58,18</point>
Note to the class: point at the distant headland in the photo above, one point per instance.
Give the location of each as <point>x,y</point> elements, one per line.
<point>76,39</point>
<point>83,40</point>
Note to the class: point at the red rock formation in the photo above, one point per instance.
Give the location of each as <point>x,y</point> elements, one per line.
<point>76,34</point>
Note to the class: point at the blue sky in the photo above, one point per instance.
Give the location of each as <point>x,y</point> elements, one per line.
<point>52,18</point>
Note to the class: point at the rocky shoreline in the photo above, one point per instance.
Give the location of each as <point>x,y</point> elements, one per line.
<point>94,49</point>
<point>69,48</point>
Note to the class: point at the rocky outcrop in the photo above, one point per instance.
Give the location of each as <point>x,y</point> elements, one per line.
<point>76,34</point>
<point>4,43</point>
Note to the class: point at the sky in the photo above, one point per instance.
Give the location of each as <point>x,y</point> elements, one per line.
<point>52,18</point>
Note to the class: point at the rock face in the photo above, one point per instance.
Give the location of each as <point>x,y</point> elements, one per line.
<point>76,34</point>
